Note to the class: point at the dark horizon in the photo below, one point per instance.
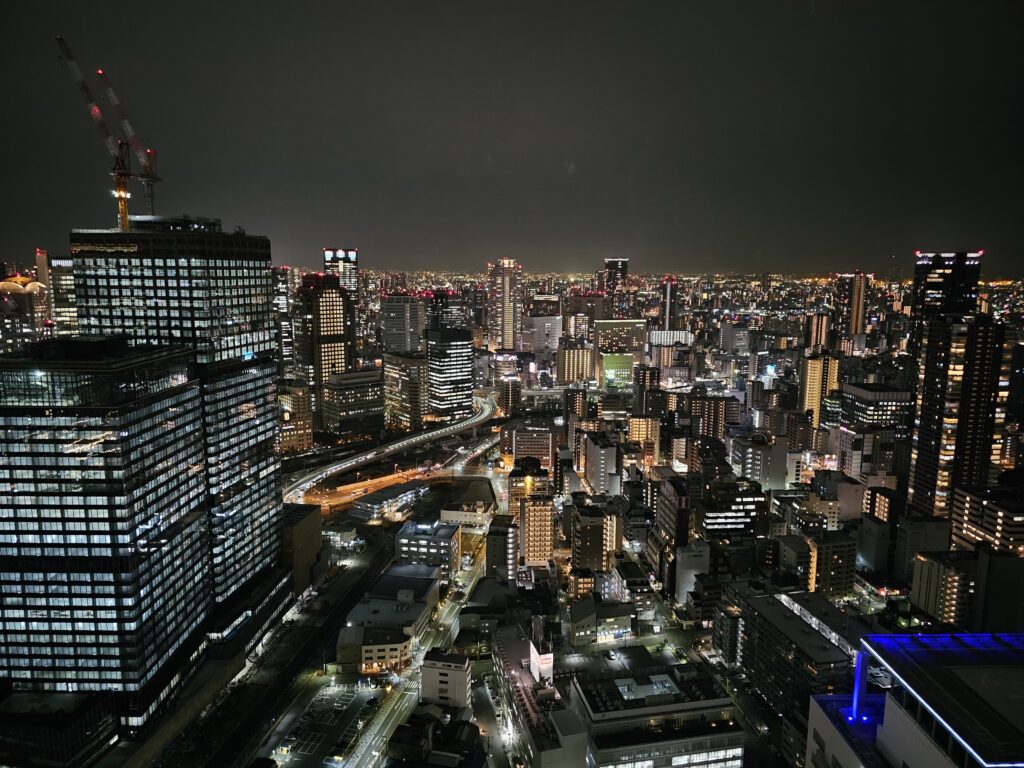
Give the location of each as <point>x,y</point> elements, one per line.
<point>803,137</point>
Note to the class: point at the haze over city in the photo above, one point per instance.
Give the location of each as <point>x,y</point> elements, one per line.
<point>688,137</point>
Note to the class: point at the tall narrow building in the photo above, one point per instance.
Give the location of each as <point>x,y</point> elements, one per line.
<point>282,305</point>
<point>858,293</point>
<point>450,374</point>
<point>103,505</point>
<point>325,328</point>
<point>55,272</point>
<point>957,392</point>
<point>944,284</point>
<point>185,281</point>
<point>344,262</point>
<point>504,304</point>
<point>819,375</point>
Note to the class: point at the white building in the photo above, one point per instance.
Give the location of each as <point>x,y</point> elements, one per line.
<point>446,679</point>
<point>402,321</point>
<point>949,701</point>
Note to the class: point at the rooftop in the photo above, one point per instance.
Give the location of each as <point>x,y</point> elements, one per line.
<point>801,634</point>
<point>972,683</point>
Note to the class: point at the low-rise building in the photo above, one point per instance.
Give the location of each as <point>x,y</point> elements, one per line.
<point>371,651</point>
<point>658,716</point>
<point>445,679</point>
<point>388,502</point>
<point>430,544</point>
<point>593,621</point>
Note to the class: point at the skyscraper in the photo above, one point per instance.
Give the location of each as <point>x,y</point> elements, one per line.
<point>450,374</point>
<point>405,392</point>
<point>819,375</point>
<point>961,363</point>
<point>858,293</point>
<point>445,309</point>
<point>324,321</point>
<point>185,281</point>
<point>504,304</point>
<point>671,304</point>
<point>402,320</point>
<point>56,274</point>
<point>944,283</point>
<point>344,262</point>
<point>103,504</point>
<point>282,304</point>
<point>614,274</point>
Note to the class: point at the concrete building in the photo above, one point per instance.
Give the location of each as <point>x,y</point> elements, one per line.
<point>430,544</point>
<point>353,405</point>
<point>302,545</point>
<point>952,703</point>
<point>450,374</point>
<point>403,319</point>
<point>788,662</point>
<point>819,376</point>
<point>504,304</point>
<point>546,733</point>
<point>992,515</point>
<point>295,416</point>
<point>502,547</point>
<point>445,679</point>
<point>595,621</point>
<point>574,361</point>
<point>650,714</point>
<point>600,463</point>
<point>406,403</point>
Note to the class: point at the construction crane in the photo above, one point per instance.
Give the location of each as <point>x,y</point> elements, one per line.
<point>119,147</point>
<point>145,155</point>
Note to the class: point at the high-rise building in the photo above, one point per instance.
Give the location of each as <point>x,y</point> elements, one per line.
<point>56,274</point>
<point>353,406</point>
<point>671,304</point>
<point>185,281</point>
<point>282,304</point>
<point>614,275</point>
<point>504,304</point>
<point>962,360</point>
<point>992,515</point>
<point>596,536</point>
<point>344,262</point>
<point>858,294</point>
<point>325,332</point>
<point>574,361</point>
<point>944,284</point>
<point>619,336</point>
<point>450,374</point>
<point>405,392</point>
<point>502,547</point>
<point>817,330</point>
<point>531,501</point>
<point>819,375</point>
<point>445,310</point>
<point>295,414</point>
<point>403,320</point>
<point>541,332</point>
<point>103,506</point>
<point>24,311</point>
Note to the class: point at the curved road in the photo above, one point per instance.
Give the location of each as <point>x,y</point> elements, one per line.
<point>296,489</point>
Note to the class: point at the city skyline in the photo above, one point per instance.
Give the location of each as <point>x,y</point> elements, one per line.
<point>686,140</point>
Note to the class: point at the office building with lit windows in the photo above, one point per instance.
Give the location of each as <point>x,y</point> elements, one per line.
<point>103,521</point>
<point>56,273</point>
<point>962,362</point>
<point>450,374</point>
<point>504,304</point>
<point>402,322</point>
<point>325,332</point>
<point>344,262</point>
<point>185,281</point>
<point>405,392</point>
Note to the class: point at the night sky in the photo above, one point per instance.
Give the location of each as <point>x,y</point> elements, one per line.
<point>793,136</point>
